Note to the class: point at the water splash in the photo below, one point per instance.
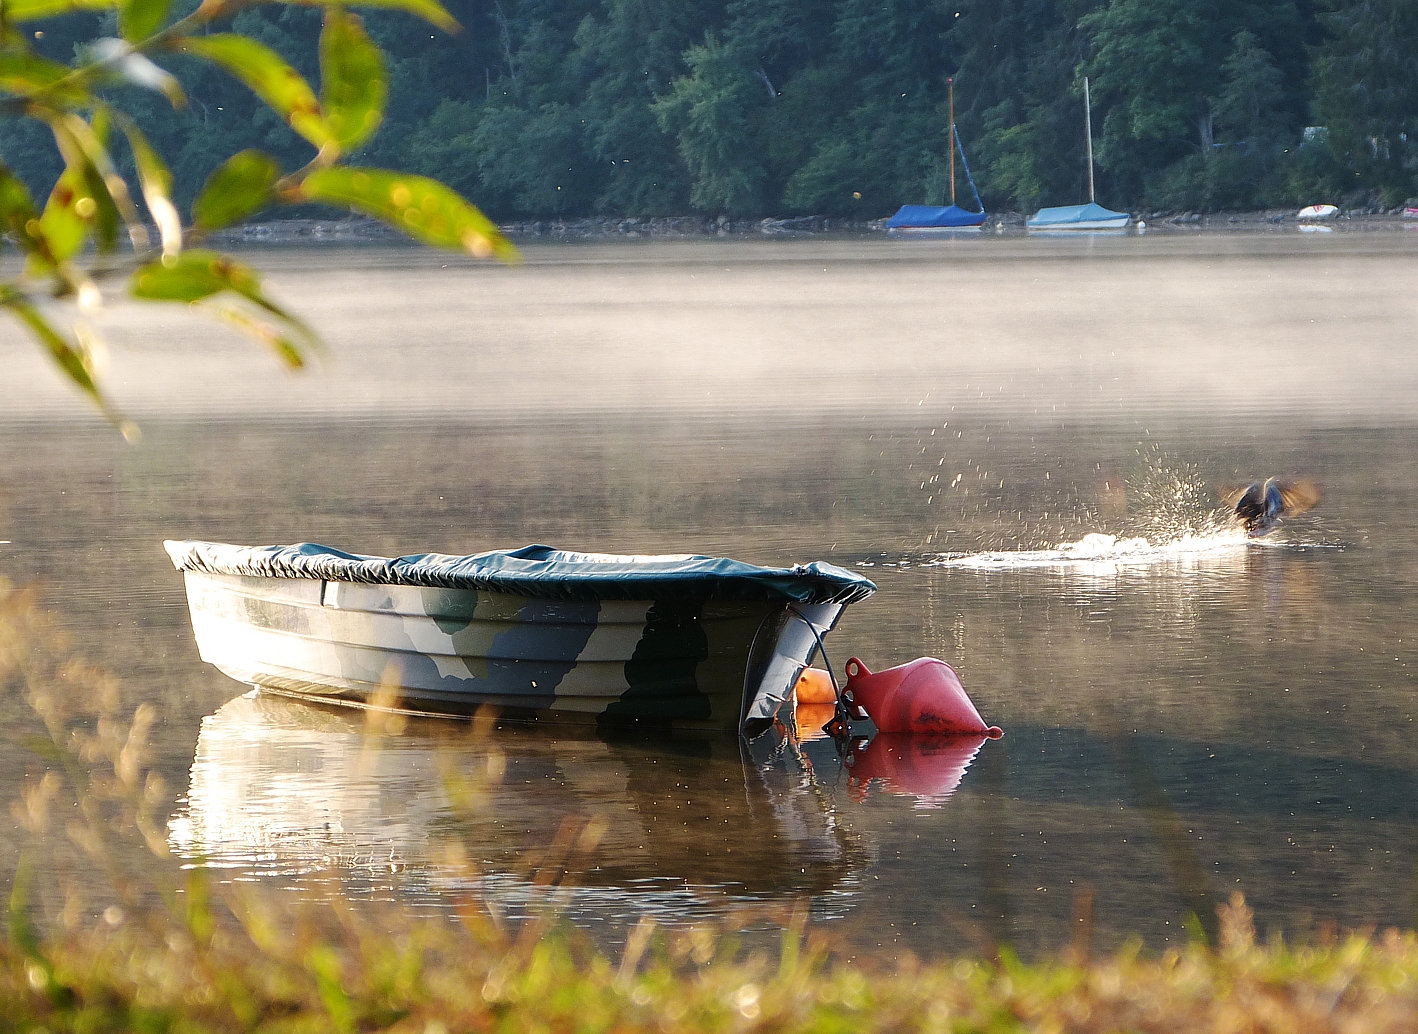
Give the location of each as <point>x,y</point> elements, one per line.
<point>1168,500</point>
<point>1171,521</point>
<point>1098,552</point>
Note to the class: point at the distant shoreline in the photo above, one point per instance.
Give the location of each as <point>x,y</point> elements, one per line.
<point>358,229</point>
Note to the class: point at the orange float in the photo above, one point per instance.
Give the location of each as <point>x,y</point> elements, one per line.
<point>811,718</point>
<point>814,686</point>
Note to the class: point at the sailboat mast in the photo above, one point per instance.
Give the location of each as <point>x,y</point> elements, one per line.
<point>950,143</point>
<point>1088,131</point>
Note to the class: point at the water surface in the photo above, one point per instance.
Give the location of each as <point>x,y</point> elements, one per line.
<point>1023,444</point>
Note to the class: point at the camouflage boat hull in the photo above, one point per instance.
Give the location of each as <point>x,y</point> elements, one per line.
<point>690,663</point>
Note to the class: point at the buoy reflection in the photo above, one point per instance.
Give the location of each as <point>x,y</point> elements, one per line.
<point>926,767</point>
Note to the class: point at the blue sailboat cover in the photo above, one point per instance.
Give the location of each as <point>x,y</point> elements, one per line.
<point>539,572</point>
<point>932,217</point>
<point>1067,215</point>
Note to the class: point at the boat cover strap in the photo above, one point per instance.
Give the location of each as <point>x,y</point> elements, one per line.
<point>540,572</point>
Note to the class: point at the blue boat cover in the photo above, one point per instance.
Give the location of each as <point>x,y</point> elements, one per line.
<point>539,572</point>
<point>1067,215</point>
<point>931,217</point>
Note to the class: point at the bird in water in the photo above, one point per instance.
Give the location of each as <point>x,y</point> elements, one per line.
<point>1260,505</point>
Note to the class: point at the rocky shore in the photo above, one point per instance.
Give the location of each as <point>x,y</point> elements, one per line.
<point>357,229</point>
<point>286,231</point>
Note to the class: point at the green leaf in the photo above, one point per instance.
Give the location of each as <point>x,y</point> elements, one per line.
<point>430,11</point>
<point>33,10</point>
<point>16,205</point>
<point>424,209</point>
<point>62,225</point>
<point>95,132</point>
<point>200,921</point>
<point>20,217</point>
<point>324,965</point>
<point>156,182</point>
<point>192,276</point>
<point>151,168</point>
<point>81,203</point>
<point>70,358</point>
<point>23,934</point>
<point>84,147</point>
<point>286,350</point>
<point>353,87</point>
<point>25,73</point>
<point>268,76</point>
<point>239,187</point>
<point>197,275</point>
<point>139,19</point>
<point>43,747</point>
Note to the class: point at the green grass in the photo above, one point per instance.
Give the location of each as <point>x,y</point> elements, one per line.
<point>94,947</point>
<point>153,976</point>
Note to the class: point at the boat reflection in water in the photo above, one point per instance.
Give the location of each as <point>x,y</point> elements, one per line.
<point>682,829</point>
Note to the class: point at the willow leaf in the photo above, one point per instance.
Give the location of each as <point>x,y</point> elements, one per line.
<point>156,181</point>
<point>197,275</point>
<point>267,75</point>
<point>239,187</point>
<point>423,208</point>
<point>34,10</point>
<point>72,360</point>
<point>139,19</point>
<point>26,74</point>
<point>353,87</point>
<point>21,218</point>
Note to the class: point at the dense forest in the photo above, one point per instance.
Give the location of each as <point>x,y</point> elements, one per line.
<point>565,108</point>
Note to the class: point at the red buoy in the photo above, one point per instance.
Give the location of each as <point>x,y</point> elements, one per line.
<point>922,696</point>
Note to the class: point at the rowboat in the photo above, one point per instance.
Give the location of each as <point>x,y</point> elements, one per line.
<point>1317,212</point>
<point>689,641</point>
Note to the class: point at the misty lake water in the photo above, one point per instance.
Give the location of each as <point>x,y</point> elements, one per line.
<point>1020,441</point>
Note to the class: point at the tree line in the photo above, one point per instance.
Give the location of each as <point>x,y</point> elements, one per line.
<point>639,108</point>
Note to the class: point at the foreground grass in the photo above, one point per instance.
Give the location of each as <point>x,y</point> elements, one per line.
<point>429,981</point>
<point>163,951</point>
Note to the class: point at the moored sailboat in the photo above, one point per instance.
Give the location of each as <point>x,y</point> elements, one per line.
<point>1091,216</point>
<point>935,219</point>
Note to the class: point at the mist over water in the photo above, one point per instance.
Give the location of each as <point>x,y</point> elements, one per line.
<point>1026,444</point>
<point>1026,330</point>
